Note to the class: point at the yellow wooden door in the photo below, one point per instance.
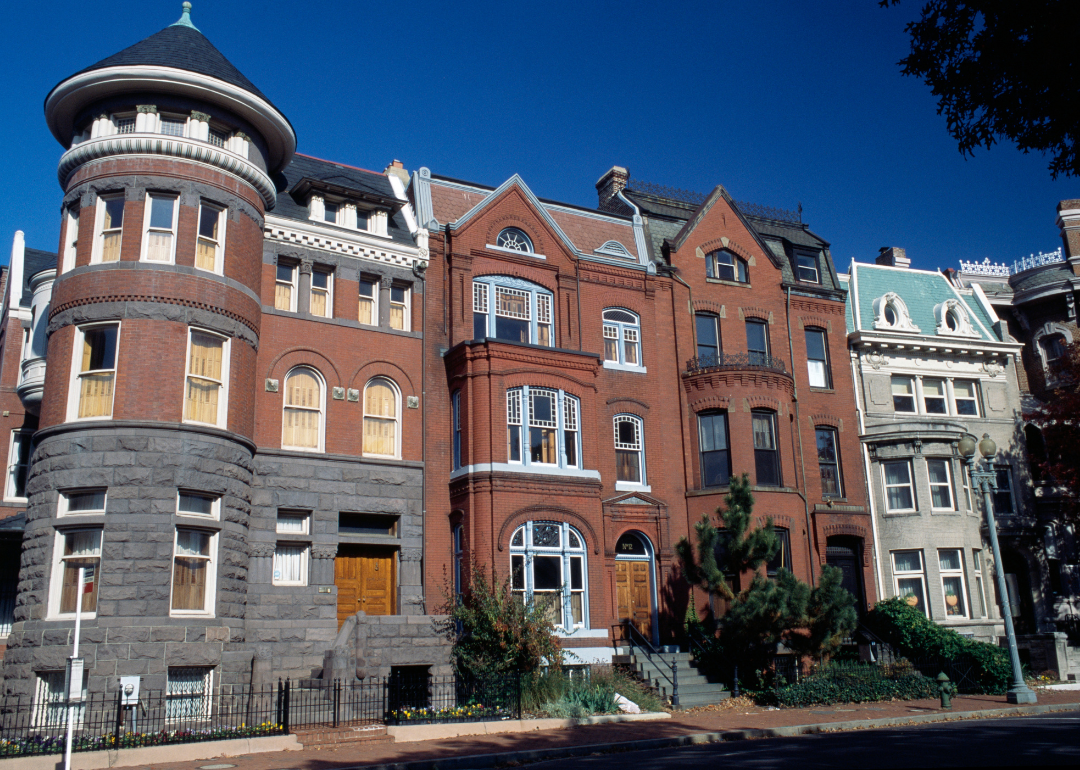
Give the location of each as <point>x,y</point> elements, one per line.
<point>633,594</point>
<point>365,581</point>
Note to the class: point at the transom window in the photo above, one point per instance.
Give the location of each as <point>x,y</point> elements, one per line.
<point>910,579</point>
<point>629,449</point>
<point>622,332</point>
<point>899,491</point>
<point>713,446</point>
<point>548,569</point>
<point>512,309</point>
<point>303,417</point>
<point>514,239</point>
<point>542,427</point>
<point>726,266</point>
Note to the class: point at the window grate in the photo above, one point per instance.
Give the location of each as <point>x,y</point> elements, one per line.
<point>187,694</point>
<point>513,407</point>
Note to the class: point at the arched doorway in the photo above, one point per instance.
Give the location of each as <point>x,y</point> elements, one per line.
<point>845,553</point>
<point>635,588</point>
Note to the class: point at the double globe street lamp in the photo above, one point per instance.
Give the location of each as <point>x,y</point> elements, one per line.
<point>984,478</point>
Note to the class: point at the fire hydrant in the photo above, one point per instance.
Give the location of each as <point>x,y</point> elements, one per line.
<point>946,689</point>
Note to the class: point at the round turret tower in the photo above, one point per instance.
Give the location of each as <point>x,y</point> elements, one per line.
<point>143,461</point>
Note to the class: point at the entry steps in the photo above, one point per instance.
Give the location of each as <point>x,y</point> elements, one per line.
<point>695,688</point>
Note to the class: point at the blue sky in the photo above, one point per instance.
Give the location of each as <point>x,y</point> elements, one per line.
<point>782,102</point>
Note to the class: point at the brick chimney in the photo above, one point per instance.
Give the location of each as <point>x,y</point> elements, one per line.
<point>892,256</point>
<point>1069,222</point>
<point>397,168</point>
<point>609,186</point>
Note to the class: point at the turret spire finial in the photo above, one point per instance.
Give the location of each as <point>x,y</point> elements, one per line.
<point>185,17</point>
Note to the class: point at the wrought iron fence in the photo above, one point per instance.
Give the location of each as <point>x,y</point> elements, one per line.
<point>735,361</point>
<point>964,672</point>
<point>38,724</point>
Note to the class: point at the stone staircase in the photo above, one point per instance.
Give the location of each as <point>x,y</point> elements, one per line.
<point>695,688</point>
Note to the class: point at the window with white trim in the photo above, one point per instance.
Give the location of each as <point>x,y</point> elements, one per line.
<point>899,489</point>
<point>966,398</point>
<point>941,498</point>
<point>95,371</point>
<point>285,288</point>
<point>322,298</point>
<point>304,404</point>
<point>22,442</point>
<point>382,418</point>
<point>78,502</point>
<point>74,549</point>
<point>980,593</point>
<point>512,309</point>
<point>934,396</point>
<point>210,244</point>
<point>193,572</point>
<point>543,427</point>
<point>71,236</point>
<point>159,223</point>
<point>903,394</point>
<point>205,386</point>
<point>910,579</point>
<point>293,523</point>
<point>629,449</point>
<point>808,269</point>
<point>951,563</point>
<point>291,564</point>
<point>50,700</point>
<point>110,229</point>
<point>828,455</point>
<point>725,266</point>
<point>401,308</point>
<point>622,337</point>
<point>173,126</point>
<point>817,358</point>
<point>197,504</point>
<point>548,569</point>
<point>369,302</point>
<point>188,694</point>
<point>514,239</point>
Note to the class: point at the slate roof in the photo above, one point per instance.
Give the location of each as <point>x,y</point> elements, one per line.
<point>365,183</point>
<point>1042,277</point>
<point>181,47</point>
<point>849,317</point>
<point>921,291</point>
<point>34,261</point>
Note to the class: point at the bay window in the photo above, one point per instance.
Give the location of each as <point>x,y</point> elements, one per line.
<point>207,374</point>
<point>966,398</point>
<point>76,549</point>
<point>910,579</point>
<point>934,396</point>
<point>899,491</point>
<point>209,247</point>
<point>941,498</point>
<point>542,427</point>
<point>159,237</point>
<point>903,394</point>
<point>95,371</point>
<point>110,229</point>
<point>548,569</point>
<point>951,562</point>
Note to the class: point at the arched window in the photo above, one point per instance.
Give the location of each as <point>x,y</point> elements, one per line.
<point>629,449</point>
<point>548,568</point>
<point>512,309</point>
<point>622,338</point>
<point>890,312</point>
<point>726,266</point>
<point>514,239</point>
<point>546,423</point>
<point>303,418</point>
<point>381,414</point>
<point>953,319</point>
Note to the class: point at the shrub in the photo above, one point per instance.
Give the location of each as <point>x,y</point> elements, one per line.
<point>853,683</point>
<point>914,636</point>
<point>560,694</point>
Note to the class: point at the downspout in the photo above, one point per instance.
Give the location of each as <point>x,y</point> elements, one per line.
<point>423,430</point>
<point>798,432</point>
<point>857,380</point>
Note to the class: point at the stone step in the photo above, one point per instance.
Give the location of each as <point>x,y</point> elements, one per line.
<point>704,699</point>
<point>321,736</point>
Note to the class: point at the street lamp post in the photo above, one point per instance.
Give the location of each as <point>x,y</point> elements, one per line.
<point>985,479</point>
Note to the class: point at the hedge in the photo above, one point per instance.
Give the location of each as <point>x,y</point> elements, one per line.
<point>913,635</point>
<point>854,683</point>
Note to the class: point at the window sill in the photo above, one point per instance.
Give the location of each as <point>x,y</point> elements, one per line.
<point>615,365</point>
<point>515,252</point>
<point>536,470</point>
<point>188,614</point>
<point>71,616</point>
<point>815,389</point>
<point>629,486</point>
<point>21,500</point>
<point>289,585</point>
<point>583,633</point>
<point>725,282</point>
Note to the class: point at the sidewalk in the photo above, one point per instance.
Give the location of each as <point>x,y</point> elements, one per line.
<point>682,723</point>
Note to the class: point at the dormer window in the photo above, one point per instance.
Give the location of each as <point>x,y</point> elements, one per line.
<point>362,220</point>
<point>515,240</point>
<point>330,212</point>
<point>952,319</point>
<point>725,266</point>
<point>890,312</point>
<point>808,267</point>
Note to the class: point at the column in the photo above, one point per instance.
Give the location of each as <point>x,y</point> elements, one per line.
<point>303,301</point>
<point>322,564</point>
<point>385,282</point>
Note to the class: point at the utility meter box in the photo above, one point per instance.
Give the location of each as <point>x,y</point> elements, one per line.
<point>129,690</point>
<point>73,680</point>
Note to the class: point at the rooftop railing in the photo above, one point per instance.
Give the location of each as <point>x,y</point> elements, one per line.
<point>1001,270</point>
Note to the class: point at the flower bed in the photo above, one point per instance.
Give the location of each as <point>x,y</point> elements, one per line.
<point>54,744</point>
<point>476,712</point>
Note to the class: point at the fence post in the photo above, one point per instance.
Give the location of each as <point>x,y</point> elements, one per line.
<point>119,716</point>
<point>735,686</point>
<point>675,683</point>
<point>285,706</point>
<point>337,701</point>
<point>277,714</point>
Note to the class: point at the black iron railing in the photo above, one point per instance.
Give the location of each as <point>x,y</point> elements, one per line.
<point>668,670</point>
<point>37,725</point>
<point>735,361</point>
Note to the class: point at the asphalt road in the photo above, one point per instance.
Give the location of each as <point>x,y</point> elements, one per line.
<point>1036,741</point>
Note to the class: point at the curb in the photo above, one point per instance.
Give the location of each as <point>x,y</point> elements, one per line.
<point>695,739</point>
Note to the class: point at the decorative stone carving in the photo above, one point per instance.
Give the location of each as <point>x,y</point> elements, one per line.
<point>305,266</point>
<point>412,554</point>
<point>339,394</point>
<point>354,394</point>
<point>262,550</point>
<point>146,109</point>
<point>386,281</point>
<point>272,386</point>
<point>412,402</point>
<point>196,115</point>
<point>323,551</point>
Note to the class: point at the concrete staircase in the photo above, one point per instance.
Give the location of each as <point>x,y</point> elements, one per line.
<point>695,688</point>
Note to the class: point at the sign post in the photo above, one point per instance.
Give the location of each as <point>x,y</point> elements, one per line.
<point>74,675</point>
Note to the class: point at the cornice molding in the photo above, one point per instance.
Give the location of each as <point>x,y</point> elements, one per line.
<point>373,248</point>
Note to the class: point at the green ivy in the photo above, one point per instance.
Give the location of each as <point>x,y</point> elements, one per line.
<point>913,635</point>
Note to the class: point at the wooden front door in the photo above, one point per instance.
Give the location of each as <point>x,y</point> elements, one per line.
<point>365,580</point>
<point>634,594</point>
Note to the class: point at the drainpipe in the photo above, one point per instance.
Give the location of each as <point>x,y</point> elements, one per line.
<point>423,432</point>
<point>857,380</point>
<point>798,432</point>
